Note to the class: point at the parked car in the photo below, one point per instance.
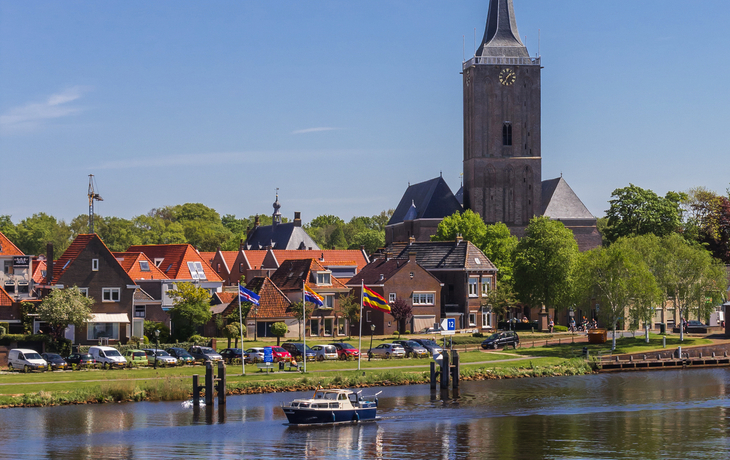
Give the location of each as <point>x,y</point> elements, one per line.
<point>344,350</point>
<point>204,353</point>
<point>181,354</point>
<point>229,354</point>
<point>429,345</point>
<point>387,351</point>
<point>55,361</point>
<point>413,348</point>
<point>255,355</point>
<point>26,360</point>
<point>162,357</point>
<point>296,350</point>
<point>323,352</point>
<point>81,360</point>
<point>136,358</point>
<point>501,340</point>
<point>108,357</point>
<point>280,354</point>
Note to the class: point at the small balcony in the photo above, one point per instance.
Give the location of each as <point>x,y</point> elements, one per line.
<point>500,60</point>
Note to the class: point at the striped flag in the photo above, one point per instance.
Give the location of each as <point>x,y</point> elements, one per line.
<point>311,296</point>
<point>244,295</point>
<point>374,300</point>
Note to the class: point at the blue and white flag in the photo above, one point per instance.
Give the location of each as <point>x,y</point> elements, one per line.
<point>244,295</point>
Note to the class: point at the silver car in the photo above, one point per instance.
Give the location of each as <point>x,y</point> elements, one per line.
<point>163,357</point>
<point>325,352</point>
<point>387,351</point>
<point>254,355</point>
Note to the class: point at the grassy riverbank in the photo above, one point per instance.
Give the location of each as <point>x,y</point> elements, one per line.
<point>172,384</point>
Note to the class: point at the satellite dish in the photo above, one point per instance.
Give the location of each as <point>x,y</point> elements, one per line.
<point>438,358</point>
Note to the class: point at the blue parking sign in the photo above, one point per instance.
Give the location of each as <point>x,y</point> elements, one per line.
<point>268,355</point>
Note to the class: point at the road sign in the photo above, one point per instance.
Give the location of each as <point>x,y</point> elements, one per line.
<point>448,326</point>
<point>268,355</point>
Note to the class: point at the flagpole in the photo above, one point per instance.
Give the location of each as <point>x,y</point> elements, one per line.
<point>240,321</point>
<point>304,325</point>
<point>359,340</point>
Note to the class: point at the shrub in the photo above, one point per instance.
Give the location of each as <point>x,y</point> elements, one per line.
<point>558,328</point>
<point>477,334</point>
<point>2,331</point>
<point>196,339</point>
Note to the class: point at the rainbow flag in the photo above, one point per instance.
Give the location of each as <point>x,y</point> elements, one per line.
<point>374,300</point>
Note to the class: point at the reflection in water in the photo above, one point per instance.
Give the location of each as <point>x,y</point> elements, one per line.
<point>661,414</point>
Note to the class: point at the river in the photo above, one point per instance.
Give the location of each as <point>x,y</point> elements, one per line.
<point>645,415</point>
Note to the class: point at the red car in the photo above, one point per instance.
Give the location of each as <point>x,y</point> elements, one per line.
<point>344,350</point>
<point>279,354</point>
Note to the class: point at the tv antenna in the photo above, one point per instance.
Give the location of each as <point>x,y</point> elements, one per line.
<point>93,196</point>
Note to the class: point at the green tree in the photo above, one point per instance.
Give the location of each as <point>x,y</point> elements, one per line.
<point>466,224</point>
<point>620,282</point>
<point>232,331</point>
<point>279,329</point>
<point>63,307</point>
<point>501,300</point>
<point>635,211</point>
<point>149,331</point>
<point>350,307</point>
<point>337,240</point>
<point>299,309</point>
<point>370,239</point>
<point>34,232</point>
<point>191,309</point>
<point>543,266</point>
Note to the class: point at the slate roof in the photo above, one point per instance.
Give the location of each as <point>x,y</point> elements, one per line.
<point>279,236</point>
<point>175,258</point>
<point>71,253</point>
<point>326,257</point>
<point>443,255</point>
<point>140,295</point>
<point>291,273</point>
<point>501,37</point>
<point>7,248</point>
<point>432,199</point>
<point>559,201</point>
<point>130,263</point>
<point>370,275</point>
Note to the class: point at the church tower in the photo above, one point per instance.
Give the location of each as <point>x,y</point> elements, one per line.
<point>502,160</point>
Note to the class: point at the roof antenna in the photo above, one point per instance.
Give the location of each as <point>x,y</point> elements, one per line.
<point>463,48</point>
<point>538,42</point>
<point>475,41</point>
<point>93,196</point>
<point>441,174</point>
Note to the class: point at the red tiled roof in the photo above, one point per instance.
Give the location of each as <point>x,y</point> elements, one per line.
<point>130,263</point>
<point>39,266</point>
<point>272,303</point>
<point>226,297</point>
<point>230,258</point>
<point>5,299</point>
<point>207,256</point>
<point>255,258</point>
<point>73,251</point>
<point>175,258</point>
<point>326,257</point>
<point>291,273</point>
<point>7,248</point>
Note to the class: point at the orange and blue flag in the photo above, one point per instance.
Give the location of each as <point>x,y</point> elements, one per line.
<point>311,296</point>
<point>374,300</point>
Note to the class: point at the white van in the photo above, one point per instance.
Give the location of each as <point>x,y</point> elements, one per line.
<point>108,357</point>
<point>26,359</point>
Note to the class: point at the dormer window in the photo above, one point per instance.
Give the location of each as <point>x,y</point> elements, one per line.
<point>144,266</point>
<point>95,265</point>
<point>324,278</point>
<point>158,261</point>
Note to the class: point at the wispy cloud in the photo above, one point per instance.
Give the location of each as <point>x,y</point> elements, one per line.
<point>30,116</point>
<point>313,130</point>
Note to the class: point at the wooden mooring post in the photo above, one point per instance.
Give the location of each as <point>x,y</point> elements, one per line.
<point>211,385</point>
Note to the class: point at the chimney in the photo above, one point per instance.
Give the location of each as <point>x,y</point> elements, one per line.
<point>240,243</point>
<point>382,277</point>
<point>411,240</point>
<point>321,258</point>
<point>256,222</point>
<point>412,256</point>
<point>459,239</point>
<point>388,255</point>
<point>49,263</point>
<point>297,219</point>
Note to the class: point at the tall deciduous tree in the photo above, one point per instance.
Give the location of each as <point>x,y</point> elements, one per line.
<point>635,211</point>
<point>279,329</point>
<point>191,309</point>
<point>299,309</point>
<point>63,307</point>
<point>402,311</point>
<point>350,306</point>
<point>620,282</point>
<point>544,261</point>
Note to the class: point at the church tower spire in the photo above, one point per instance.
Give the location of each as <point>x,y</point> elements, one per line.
<point>501,37</point>
<point>502,159</point>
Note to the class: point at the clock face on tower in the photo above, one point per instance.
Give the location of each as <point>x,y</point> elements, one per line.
<point>507,76</point>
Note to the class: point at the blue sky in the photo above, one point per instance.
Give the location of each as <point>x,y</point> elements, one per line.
<point>340,104</point>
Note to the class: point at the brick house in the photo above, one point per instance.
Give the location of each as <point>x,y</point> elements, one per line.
<point>398,279</point>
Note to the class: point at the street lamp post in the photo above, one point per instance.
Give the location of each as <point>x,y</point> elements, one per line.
<point>372,331</point>
<point>157,347</point>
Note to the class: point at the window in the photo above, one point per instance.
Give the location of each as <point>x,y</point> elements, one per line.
<point>10,287</point>
<point>158,261</point>
<point>486,285</point>
<point>95,265</point>
<point>473,286</point>
<point>486,320</point>
<point>196,270</point>
<point>218,267</point>
<point>99,330</point>
<point>144,266</point>
<point>328,300</point>
<point>84,292</point>
<point>110,294</point>
<point>472,319</point>
<point>240,267</point>
<point>391,297</point>
<point>423,298</point>
<point>139,311</point>
<point>507,134</point>
<point>314,327</point>
<point>324,278</point>
<point>367,316</point>
<point>341,326</point>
